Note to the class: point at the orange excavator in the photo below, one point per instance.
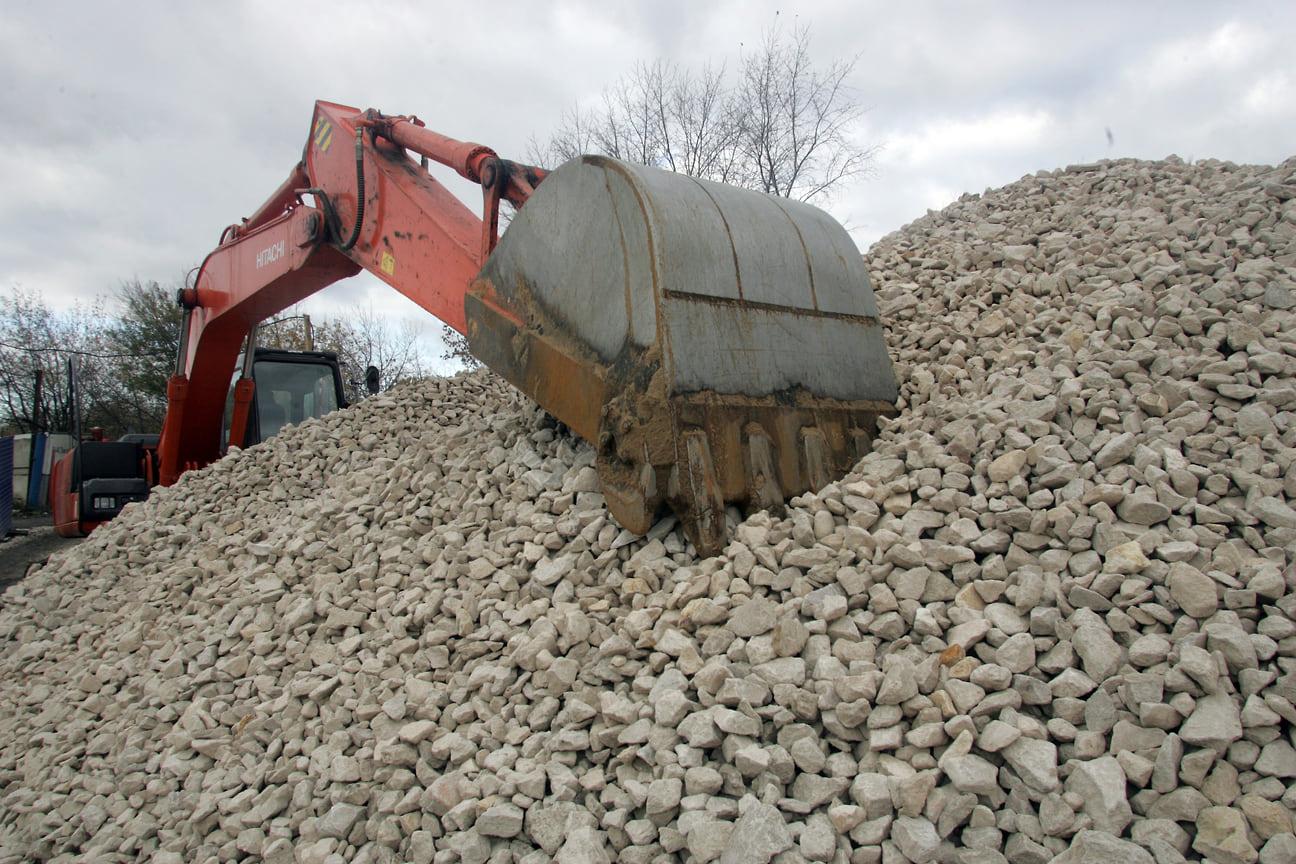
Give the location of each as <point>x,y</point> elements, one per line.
<point>715,345</point>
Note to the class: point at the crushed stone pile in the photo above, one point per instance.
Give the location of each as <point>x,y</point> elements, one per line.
<point>1051,617</point>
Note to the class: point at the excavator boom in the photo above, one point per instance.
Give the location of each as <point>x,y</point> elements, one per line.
<point>717,346</point>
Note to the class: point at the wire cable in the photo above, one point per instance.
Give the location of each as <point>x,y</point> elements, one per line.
<point>52,350</point>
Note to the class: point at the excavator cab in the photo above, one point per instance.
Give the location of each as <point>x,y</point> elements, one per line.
<point>289,387</point>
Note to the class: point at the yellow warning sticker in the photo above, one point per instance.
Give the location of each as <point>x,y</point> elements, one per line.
<point>387,262</point>
<point>323,134</point>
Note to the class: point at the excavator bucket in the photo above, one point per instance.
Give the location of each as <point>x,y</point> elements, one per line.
<point>718,346</point>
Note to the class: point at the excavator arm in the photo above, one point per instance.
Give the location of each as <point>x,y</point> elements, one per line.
<point>716,346</point>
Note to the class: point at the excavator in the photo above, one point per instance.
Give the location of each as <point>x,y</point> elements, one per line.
<point>717,346</point>
<point>94,480</point>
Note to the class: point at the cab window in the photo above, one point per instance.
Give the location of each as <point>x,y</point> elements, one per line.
<point>290,393</point>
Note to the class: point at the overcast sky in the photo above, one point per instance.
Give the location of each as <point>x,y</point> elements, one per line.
<point>135,131</point>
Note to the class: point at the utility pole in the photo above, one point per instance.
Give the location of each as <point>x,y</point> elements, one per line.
<point>36,410</point>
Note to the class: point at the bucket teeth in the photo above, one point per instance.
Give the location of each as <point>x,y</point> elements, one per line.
<point>862,441</point>
<point>630,491</point>
<point>701,503</point>
<point>763,491</point>
<point>814,452</point>
<point>648,479</point>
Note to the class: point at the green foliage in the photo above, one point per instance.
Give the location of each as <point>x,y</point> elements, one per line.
<point>147,331</point>
<point>122,361</point>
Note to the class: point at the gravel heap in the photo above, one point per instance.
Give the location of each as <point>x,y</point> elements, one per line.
<point>1049,618</point>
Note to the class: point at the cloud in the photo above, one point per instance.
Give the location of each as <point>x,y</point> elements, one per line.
<point>1271,96</point>
<point>1199,58</point>
<point>136,131</point>
<point>999,132</point>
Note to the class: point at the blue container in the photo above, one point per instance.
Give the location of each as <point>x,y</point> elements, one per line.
<point>6,486</point>
<point>36,480</point>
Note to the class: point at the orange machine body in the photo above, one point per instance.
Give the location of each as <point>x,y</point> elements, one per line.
<point>400,224</point>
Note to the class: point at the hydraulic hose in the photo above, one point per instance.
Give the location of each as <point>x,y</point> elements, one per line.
<point>326,204</point>
<point>360,191</point>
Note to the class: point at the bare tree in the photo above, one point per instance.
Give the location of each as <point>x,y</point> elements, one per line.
<point>363,339</point>
<point>123,361</point>
<point>632,121</point>
<point>626,126</point>
<point>31,367</point>
<point>785,127</point>
<point>796,120</point>
<point>574,136</point>
<point>36,343</point>
<point>457,350</point>
<point>656,115</point>
<point>290,331</point>
<point>706,125</point>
